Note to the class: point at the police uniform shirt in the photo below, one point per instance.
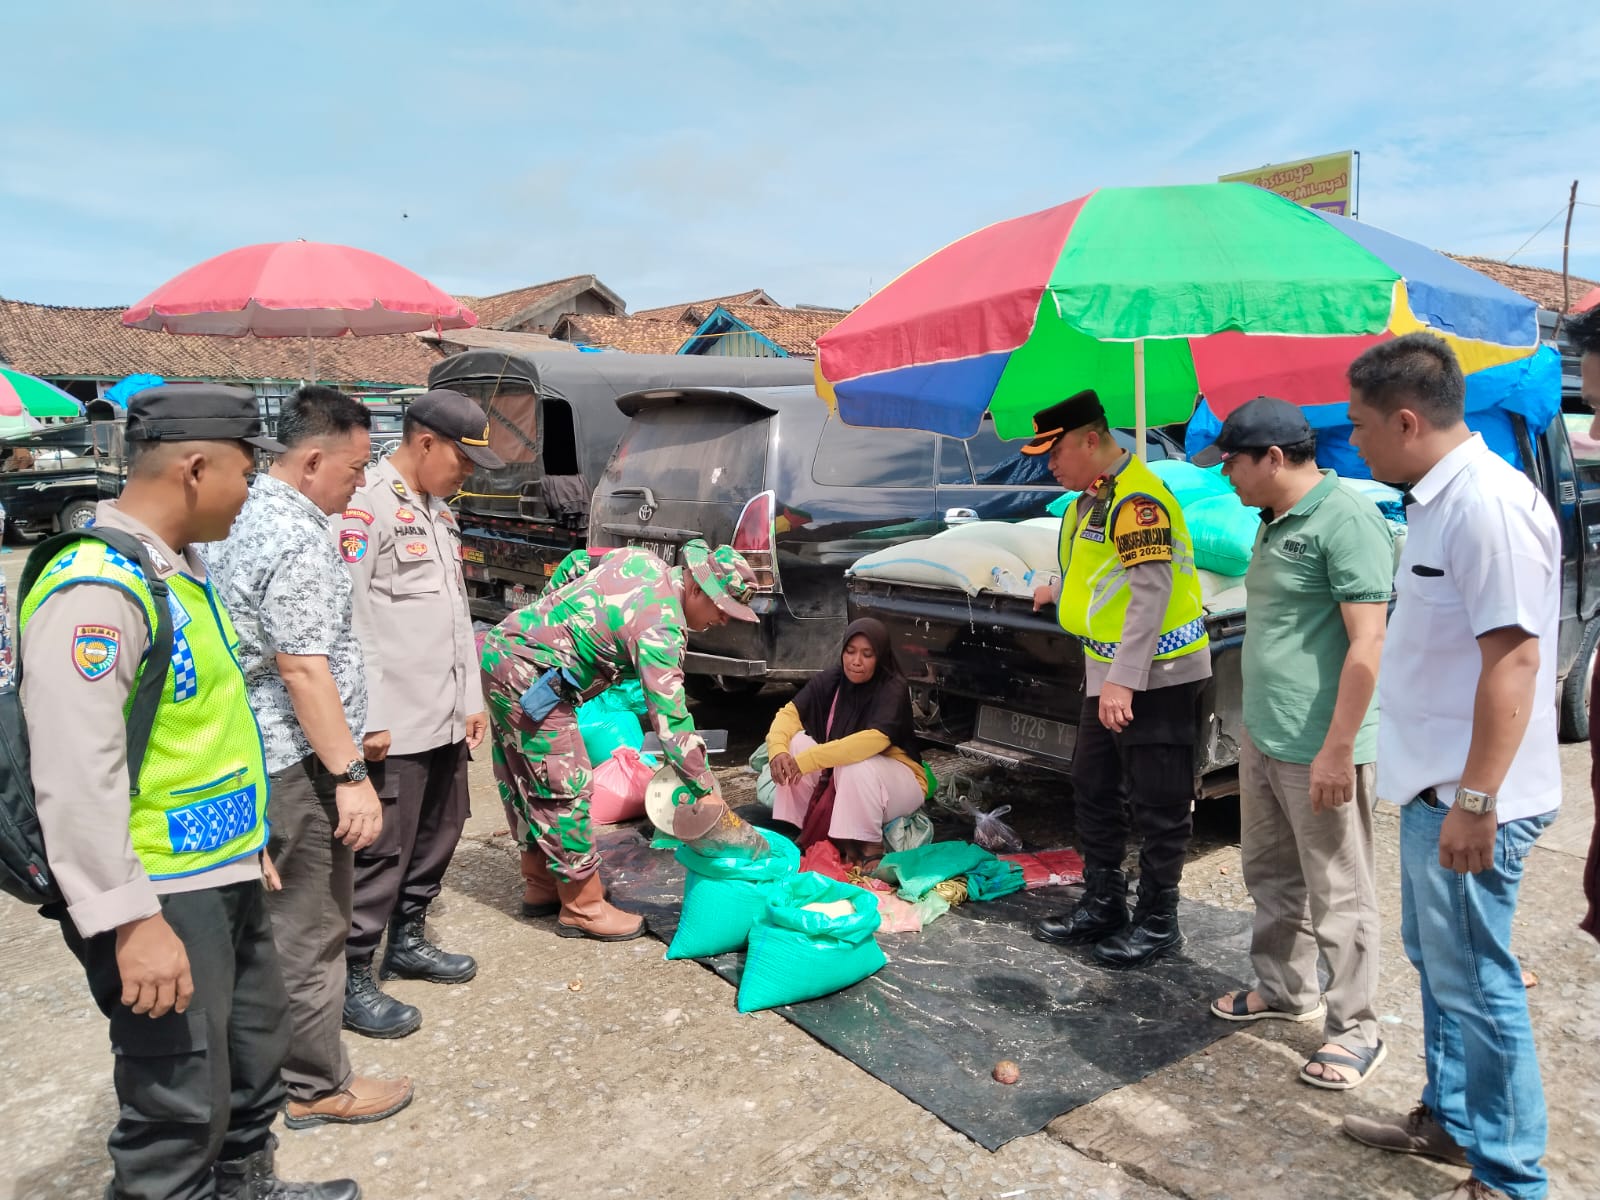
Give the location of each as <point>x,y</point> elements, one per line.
<point>1149,572</point>
<point>82,649</point>
<point>410,613</point>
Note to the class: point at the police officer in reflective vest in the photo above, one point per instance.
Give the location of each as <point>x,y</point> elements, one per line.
<point>162,875</point>
<point>1130,594</point>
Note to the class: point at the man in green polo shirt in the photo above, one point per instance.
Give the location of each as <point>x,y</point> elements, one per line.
<point>1319,584</point>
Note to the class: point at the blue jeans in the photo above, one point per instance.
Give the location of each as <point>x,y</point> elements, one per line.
<point>1483,1076</point>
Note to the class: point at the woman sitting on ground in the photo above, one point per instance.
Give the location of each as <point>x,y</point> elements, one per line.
<point>852,720</point>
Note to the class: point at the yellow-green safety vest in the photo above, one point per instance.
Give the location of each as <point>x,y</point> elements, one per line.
<point>1144,517</point>
<point>201,797</point>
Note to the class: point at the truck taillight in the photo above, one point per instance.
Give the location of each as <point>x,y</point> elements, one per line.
<point>755,538</point>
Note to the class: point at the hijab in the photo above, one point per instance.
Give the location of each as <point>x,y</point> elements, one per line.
<point>882,703</point>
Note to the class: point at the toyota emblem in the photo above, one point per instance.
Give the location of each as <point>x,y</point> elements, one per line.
<point>646,511</point>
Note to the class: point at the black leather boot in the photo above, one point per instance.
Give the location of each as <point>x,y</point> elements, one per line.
<point>1154,931</point>
<point>255,1178</point>
<point>1102,911</point>
<point>410,955</point>
<point>369,1011</point>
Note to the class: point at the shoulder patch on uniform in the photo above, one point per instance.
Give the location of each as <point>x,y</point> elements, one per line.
<point>358,514</point>
<point>352,544</point>
<point>1142,531</point>
<point>95,649</point>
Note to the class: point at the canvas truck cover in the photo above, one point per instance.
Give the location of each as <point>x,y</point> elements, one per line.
<point>554,412</point>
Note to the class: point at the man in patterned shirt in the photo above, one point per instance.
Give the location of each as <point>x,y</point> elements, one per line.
<point>290,598</point>
<point>630,617</point>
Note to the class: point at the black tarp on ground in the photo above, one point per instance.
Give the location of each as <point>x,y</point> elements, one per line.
<point>975,987</point>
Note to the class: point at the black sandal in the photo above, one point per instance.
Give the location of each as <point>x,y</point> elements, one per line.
<point>1364,1062</point>
<point>1239,1010</point>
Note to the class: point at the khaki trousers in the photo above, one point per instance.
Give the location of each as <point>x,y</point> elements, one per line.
<point>310,922</point>
<point>1312,878</point>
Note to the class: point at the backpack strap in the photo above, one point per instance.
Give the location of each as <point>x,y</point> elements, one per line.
<point>153,681</point>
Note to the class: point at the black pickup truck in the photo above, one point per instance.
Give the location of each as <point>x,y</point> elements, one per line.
<point>1002,683</point>
<point>63,478</point>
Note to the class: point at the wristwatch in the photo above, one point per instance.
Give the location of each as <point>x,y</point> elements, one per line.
<point>1474,802</point>
<point>354,773</point>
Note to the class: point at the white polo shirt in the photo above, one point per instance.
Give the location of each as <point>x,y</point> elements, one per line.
<point>1482,552</point>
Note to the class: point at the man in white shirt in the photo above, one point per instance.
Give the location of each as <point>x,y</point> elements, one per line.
<point>1467,748</point>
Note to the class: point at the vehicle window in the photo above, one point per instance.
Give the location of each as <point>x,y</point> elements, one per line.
<point>1003,464</point>
<point>852,457</point>
<point>710,453</point>
<point>1158,447</point>
<point>1585,449</point>
<point>953,465</point>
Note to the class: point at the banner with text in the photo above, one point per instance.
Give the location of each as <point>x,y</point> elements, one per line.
<point>1323,183</point>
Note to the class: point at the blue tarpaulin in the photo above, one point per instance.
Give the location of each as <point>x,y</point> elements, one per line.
<point>1530,388</point>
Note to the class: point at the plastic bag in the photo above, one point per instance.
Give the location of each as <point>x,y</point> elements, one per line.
<point>723,896</point>
<point>606,723</point>
<point>766,789</point>
<point>990,832</point>
<point>618,786</point>
<point>908,832</point>
<point>797,953</point>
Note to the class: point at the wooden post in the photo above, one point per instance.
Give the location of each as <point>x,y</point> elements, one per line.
<point>1566,249</point>
<point>1143,450</point>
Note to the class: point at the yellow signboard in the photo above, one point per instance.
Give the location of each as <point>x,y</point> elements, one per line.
<point>1323,183</point>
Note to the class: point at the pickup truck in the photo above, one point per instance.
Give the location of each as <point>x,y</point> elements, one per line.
<point>1000,682</point>
<point>68,474</point>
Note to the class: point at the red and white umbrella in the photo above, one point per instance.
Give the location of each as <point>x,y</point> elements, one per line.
<point>298,289</point>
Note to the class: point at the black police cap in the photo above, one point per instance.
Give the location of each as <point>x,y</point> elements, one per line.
<point>1074,412</point>
<point>197,412</point>
<point>1258,424</point>
<point>457,417</point>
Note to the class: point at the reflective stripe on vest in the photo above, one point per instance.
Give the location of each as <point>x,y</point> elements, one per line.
<point>1094,583</point>
<point>201,797</point>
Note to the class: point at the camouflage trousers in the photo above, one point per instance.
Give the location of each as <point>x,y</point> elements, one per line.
<point>542,772</point>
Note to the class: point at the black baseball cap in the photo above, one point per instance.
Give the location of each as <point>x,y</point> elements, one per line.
<point>1076,411</point>
<point>1258,424</point>
<point>197,412</point>
<point>452,415</point>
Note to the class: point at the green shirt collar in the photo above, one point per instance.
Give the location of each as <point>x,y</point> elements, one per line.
<point>1309,502</point>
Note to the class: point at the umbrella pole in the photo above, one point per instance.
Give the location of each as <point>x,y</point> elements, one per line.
<point>1138,400</point>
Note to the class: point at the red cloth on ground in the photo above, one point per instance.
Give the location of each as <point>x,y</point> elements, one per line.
<point>1048,868</point>
<point>823,858</point>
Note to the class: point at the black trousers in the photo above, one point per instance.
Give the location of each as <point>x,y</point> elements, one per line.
<point>1148,767</point>
<point>425,808</point>
<point>201,1085</point>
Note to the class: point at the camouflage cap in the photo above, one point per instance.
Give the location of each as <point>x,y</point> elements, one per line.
<point>724,576</point>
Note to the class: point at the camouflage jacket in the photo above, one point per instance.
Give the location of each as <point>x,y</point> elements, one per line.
<point>620,620</point>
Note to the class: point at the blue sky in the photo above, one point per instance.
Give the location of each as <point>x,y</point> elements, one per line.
<point>815,150</point>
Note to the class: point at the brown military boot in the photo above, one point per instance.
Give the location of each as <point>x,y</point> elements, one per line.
<point>362,1101</point>
<point>539,896</point>
<point>585,913</point>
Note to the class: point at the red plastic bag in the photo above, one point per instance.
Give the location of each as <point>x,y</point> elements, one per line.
<point>617,787</point>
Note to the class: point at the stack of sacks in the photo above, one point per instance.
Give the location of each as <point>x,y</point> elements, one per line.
<point>984,556</point>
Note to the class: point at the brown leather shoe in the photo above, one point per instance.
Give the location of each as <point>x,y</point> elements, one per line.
<point>585,913</point>
<point>539,897</point>
<point>363,1101</point>
<point>1415,1133</point>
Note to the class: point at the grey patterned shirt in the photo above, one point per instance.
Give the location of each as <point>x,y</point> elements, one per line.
<point>288,593</point>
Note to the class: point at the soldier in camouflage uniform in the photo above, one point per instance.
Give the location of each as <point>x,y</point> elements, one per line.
<point>629,617</point>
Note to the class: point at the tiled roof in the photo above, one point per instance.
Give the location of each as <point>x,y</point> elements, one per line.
<point>93,343</point>
<point>704,308</point>
<point>636,335</point>
<point>502,308</point>
<point>795,329</point>
<point>1539,284</point>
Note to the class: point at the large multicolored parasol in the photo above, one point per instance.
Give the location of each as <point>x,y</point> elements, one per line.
<point>1152,296</point>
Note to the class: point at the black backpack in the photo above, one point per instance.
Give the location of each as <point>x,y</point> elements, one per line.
<point>24,872</point>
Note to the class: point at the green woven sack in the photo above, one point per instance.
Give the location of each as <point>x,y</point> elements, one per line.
<point>796,954</point>
<point>605,723</point>
<point>722,897</point>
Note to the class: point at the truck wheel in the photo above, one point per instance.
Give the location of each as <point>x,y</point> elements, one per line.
<point>1575,689</point>
<point>77,515</point>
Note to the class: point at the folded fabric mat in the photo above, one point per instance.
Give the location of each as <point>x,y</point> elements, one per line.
<point>916,872</point>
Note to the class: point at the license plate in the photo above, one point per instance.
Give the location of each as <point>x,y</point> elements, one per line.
<point>518,596</point>
<point>667,552</point>
<point>471,555</point>
<point>1054,739</point>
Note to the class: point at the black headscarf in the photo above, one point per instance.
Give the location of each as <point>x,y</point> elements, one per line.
<point>882,702</point>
